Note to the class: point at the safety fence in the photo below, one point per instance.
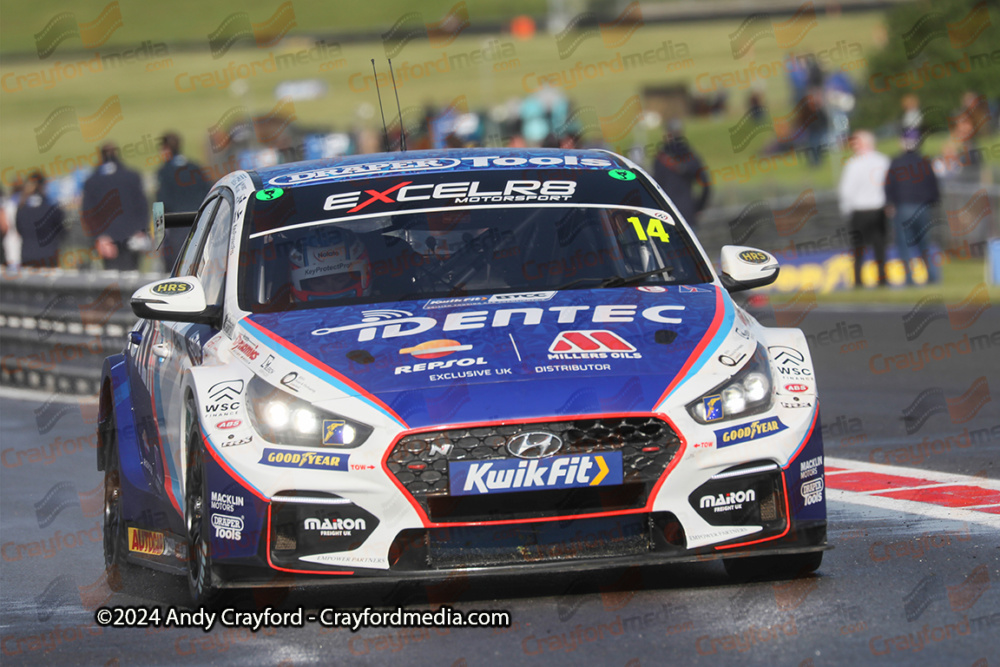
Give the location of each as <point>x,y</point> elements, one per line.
<point>57,326</point>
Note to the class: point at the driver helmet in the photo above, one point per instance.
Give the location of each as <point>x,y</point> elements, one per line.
<point>336,266</point>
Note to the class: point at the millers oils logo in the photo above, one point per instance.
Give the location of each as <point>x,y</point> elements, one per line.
<point>592,344</point>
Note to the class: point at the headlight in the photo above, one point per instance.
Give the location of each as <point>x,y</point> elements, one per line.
<point>284,419</point>
<point>746,393</point>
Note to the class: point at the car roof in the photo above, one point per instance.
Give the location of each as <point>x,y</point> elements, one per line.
<point>387,164</point>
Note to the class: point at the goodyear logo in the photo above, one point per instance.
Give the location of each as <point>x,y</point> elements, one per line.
<point>760,428</point>
<point>172,287</point>
<point>753,257</point>
<point>286,459</point>
<point>146,541</point>
<point>475,478</point>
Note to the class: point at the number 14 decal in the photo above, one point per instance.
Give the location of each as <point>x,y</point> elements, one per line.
<point>654,228</point>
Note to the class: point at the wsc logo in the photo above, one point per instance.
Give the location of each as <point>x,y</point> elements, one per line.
<point>932,26</point>
<point>65,25</point>
<point>586,25</point>
<point>411,26</point>
<point>237,27</point>
<point>65,120</point>
<point>786,33</point>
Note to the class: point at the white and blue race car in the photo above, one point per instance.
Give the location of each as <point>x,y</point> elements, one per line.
<point>483,360</point>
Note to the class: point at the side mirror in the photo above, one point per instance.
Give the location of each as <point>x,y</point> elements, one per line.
<point>174,300</point>
<point>159,224</point>
<point>744,268</point>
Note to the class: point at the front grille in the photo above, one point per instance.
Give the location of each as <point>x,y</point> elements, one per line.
<point>420,463</point>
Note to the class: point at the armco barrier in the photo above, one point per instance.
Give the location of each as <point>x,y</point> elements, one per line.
<point>57,326</point>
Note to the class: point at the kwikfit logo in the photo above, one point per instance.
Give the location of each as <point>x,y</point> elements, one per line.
<point>508,475</point>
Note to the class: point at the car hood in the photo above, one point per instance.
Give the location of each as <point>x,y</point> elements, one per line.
<point>487,358</point>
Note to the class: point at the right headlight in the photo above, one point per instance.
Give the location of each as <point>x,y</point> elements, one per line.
<point>287,420</point>
<point>748,392</point>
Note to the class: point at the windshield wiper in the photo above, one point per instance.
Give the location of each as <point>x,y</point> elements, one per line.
<point>617,281</point>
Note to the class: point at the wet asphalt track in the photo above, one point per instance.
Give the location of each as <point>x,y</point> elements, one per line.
<point>897,589</point>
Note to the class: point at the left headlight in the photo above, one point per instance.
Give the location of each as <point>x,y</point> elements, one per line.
<point>748,392</point>
<point>284,419</point>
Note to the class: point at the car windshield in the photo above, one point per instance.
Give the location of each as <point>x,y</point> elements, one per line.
<point>291,259</point>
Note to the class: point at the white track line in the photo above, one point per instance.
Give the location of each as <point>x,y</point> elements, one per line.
<point>909,506</point>
<point>933,475</point>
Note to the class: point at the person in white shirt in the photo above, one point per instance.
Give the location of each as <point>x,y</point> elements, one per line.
<point>862,198</point>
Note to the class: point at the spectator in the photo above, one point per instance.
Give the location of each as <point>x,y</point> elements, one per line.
<point>813,122</point>
<point>862,198</point>
<point>913,117</point>
<point>677,168</point>
<point>911,189</point>
<point>961,159</point>
<point>4,227</point>
<point>755,105</point>
<point>976,109</point>
<point>11,241</point>
<point>39,222</point>
<point>115,212</point>
<point>181,186</point>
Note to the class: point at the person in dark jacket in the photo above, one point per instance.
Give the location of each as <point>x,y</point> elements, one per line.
<point>115,212</point>
<point>39,222</point>
<point>181,186</point>
<point>911,190</point>
<point>677,168</point>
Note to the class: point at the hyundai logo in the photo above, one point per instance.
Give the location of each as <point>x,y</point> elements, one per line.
<point>535,445</point>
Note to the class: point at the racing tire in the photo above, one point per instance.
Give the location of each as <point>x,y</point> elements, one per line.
<point>201,584</point>
<point>120,573</point>
<point>788,566</point>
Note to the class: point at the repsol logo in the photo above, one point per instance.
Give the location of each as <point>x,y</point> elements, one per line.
<point>433,365</point>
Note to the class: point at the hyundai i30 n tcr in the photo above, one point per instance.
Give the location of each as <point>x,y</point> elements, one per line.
<point>491,360</point>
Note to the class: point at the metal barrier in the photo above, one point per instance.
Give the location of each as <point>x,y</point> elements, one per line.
<point>57,326</point>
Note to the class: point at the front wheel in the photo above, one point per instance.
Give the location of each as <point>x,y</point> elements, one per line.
<point>785,566</point>
<point>201,585</point>
<point>119,571</point>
